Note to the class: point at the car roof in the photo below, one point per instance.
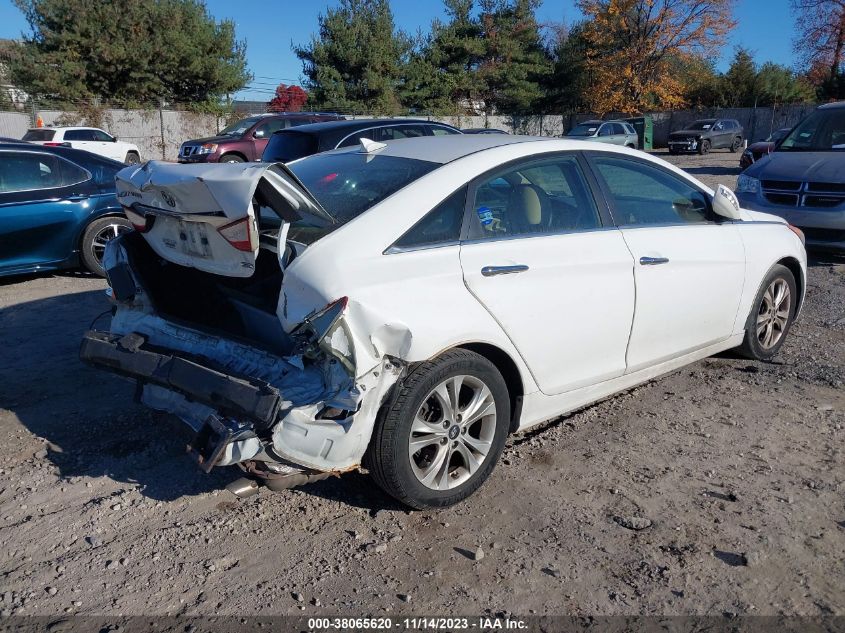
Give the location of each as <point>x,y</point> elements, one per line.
<point>353,125</point>
<point>834,105</point>
<point>261,115</point>
<point>64,127</point>
<point>445,149</point>
<point>75,155</point>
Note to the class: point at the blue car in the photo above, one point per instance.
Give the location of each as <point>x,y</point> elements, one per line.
<point>57,208</point>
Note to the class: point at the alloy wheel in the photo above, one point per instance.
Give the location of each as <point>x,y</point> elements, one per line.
<point>773,315</point>
<point>452,432</point>
<point>103,237</point>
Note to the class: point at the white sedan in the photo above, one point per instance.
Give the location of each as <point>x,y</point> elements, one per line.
<point>89,139</point>
<point>404,307</point>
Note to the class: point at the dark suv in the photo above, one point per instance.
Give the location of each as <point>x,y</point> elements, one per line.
<point>706,134</point>
<point>245,140</point>
<point>288,145</point>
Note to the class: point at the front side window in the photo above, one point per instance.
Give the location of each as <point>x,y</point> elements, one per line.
<point>99,135</point>
<point>537,198</point>
<point>441,225</point>
<point>642,194</point>
<point>606,129</point>
<point>269,127</point>
<point>27,171</point>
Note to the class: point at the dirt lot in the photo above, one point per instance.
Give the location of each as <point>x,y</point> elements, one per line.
<point>738,465</point>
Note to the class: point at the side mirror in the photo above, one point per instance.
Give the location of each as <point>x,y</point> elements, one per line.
<point>259,134</point>
<point>114,139</point>
<point>725,203</point>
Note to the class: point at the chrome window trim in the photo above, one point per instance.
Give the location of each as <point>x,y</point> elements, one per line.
<point>62,186</point>
<point>393,250</point>
<point>560,233</point>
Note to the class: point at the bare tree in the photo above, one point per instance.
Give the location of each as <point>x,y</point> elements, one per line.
<point>820,43</point>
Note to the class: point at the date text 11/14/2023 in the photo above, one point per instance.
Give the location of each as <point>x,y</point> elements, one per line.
<point>422,623</point>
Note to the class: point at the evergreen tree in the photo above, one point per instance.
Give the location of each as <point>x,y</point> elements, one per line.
<point>128,51</point>
<point>353,64</point>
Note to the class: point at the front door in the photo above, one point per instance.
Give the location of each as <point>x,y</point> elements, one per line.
<point>689,266</point>
<point>41,200</point>
<point>551,271</point>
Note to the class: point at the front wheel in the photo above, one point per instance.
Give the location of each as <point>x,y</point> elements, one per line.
<point>771,315</point>
<point>99,233</point>
<point>704,148</point>
<point>441,435</point>
<point>735,145</point>
<point>231,158</point>
<point>132,158</point>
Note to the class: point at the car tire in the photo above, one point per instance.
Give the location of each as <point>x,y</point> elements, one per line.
<point>97,234</point>
<point>630,146</point>
<point>771,315</point>
<point>704,148</point>
<point>737,142</point>
<point>132,158</point>
<point>451,463</point>
<point>231,158</point>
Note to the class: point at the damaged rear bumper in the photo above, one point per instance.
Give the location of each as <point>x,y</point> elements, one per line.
<point>127,355</point>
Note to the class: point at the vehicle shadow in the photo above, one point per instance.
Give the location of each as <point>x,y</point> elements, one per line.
<point>824,258</point>
<point>87,417</point>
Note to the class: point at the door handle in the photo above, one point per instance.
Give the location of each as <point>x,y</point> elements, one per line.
<point>653,261</point>
<point>492,271</point>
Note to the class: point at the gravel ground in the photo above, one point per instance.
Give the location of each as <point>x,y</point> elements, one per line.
<point>717,489</point>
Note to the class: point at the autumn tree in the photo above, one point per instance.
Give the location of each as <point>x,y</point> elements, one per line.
<point>631,44</point>
<point>287,99</point>
<point>820,43</point>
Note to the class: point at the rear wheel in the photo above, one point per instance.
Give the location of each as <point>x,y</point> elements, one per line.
<point>441,435</point>
<point>771,315</point>
<point>231,158</point>
<point>736,143</point>
<point>704,148</point>
<point>99,233</point>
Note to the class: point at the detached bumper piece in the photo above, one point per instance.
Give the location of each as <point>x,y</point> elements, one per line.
<point>128,355</point>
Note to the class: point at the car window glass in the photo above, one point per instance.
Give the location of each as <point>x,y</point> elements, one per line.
<point>718,126</point>
<point>436,130</point>
<point>31,171</point>
<point>606,130</point>
<point>39,135</point>
<point>440,225</point>
<point>547,197</point>
<point>99,135</point>
<point>398,131</point>
<point>642,194</point>
<point>79,135</point>
<point>618,128</point>
<point>268,127</point>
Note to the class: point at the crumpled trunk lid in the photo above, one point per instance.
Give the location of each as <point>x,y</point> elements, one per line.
<point>205,216</point>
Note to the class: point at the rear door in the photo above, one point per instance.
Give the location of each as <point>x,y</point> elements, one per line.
<point>543,259</point>
<point>689,266</point>
<point>43,198</point>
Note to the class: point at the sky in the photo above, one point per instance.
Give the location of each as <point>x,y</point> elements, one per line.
<point>270,27</point>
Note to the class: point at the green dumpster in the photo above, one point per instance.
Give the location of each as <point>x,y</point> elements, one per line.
<point>644,125</point>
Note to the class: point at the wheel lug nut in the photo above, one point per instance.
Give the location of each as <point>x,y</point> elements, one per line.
<point>454,445</point>
<point>446,424</point>
<point>443,441</point>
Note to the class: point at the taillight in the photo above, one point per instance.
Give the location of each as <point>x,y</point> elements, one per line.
<point>138,221</point>
<point>799,233</point>
<point>239,234</point>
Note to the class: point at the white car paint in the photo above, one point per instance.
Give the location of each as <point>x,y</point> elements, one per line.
<point>584,321</point>
<point>100,142</point>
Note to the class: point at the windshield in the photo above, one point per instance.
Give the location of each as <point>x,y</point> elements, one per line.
<point>284,147</point>
<point>39,135</point>
<point>349,183</point>
<point>585,129</point>
<point>822,131</point>
<point>775,136</point>
<point>237,129</point>
<point>701,125</point>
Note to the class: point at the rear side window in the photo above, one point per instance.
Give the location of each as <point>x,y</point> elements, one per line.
<point>438,130</point>
<point>39,135</point>
<point>79,135</point>
<point>27,171</point>
<point>397,132</point>
<point>287,146</point>
<point>642,194</point>
<point>441,225</point>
